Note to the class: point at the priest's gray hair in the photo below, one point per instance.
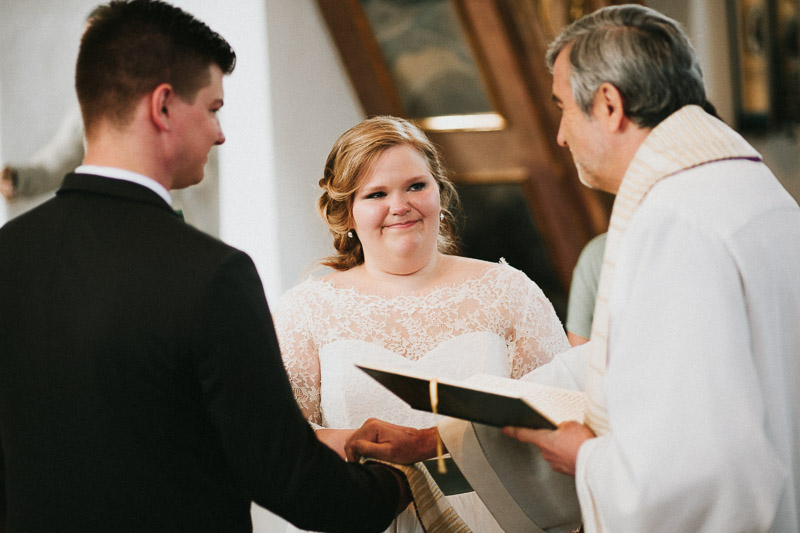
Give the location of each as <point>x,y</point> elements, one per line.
<point>644,54</point>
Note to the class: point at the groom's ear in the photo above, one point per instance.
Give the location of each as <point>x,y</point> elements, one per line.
<point>159,102</point>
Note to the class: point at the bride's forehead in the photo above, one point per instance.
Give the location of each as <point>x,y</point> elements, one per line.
<point>395,168</point>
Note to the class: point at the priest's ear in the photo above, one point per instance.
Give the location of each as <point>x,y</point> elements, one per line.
<point>608,108</point>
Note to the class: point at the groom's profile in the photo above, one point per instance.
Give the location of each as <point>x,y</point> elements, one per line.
<point>141,385</point>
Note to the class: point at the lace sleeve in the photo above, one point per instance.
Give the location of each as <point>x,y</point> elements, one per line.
<point>299,351</point>
<point>538,333</point>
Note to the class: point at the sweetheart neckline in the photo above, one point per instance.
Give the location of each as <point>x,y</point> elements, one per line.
<point>326,349</point>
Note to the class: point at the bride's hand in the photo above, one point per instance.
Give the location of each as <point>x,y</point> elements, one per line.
<point>334,438</point>
<point>377,439</point>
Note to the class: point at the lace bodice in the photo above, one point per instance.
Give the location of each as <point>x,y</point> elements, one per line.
<point>497,322</point>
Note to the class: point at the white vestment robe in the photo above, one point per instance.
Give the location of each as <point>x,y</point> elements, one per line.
<point>703,359</point>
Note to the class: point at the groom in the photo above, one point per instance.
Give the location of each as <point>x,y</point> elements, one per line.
<point>691,374</point>
<point>141,387</point>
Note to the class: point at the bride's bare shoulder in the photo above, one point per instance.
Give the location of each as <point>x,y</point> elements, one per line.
<point>349,278</point>
<point>470,266</point>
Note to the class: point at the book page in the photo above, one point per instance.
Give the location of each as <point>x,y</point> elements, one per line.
<point>557,404</point>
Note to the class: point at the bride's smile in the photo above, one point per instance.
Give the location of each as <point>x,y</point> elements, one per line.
<point>402,225</point>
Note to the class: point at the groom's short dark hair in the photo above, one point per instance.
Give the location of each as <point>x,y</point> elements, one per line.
<point>130,47</point>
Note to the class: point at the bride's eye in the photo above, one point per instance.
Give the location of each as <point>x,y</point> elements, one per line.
<point>418,186</point>
<point>377,194</point>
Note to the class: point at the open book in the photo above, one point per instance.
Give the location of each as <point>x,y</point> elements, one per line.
<point>486,399</point>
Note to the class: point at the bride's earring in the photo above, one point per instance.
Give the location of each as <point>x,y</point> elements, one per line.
<point>350,234</point>
<point>441,216</point>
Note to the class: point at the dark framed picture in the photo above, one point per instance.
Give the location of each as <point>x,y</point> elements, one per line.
<point>752,62</point>
<point>765,44</point>
<point>787,55</point>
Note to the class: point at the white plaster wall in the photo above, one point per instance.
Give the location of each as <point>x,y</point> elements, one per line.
<point>247,202</point>
<point>312,104</point>
<point>39,39</point>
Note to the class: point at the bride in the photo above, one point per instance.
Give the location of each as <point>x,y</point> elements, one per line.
<point>398,296</point>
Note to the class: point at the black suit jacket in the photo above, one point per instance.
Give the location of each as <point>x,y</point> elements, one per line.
<point>141,385</point>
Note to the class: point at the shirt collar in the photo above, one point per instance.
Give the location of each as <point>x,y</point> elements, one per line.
<point>126,175</point>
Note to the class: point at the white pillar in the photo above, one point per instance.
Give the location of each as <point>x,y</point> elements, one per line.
<point>312,103</point>
<point>710,35</point>
<point>247,200</point>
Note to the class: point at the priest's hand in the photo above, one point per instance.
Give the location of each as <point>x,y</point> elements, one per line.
<point>559,447</point>
<point>377,439</point>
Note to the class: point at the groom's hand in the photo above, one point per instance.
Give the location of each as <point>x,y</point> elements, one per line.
<point>377,439</point>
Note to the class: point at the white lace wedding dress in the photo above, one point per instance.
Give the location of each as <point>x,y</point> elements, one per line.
<point>498,322</point>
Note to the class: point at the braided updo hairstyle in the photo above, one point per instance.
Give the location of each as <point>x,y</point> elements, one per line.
<point>350,161</point>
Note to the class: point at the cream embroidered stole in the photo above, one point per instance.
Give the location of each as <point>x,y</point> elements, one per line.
<point>433,510</point>
<point>687,138</point>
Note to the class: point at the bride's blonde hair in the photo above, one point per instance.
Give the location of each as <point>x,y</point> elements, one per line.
<point>351,159</point>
